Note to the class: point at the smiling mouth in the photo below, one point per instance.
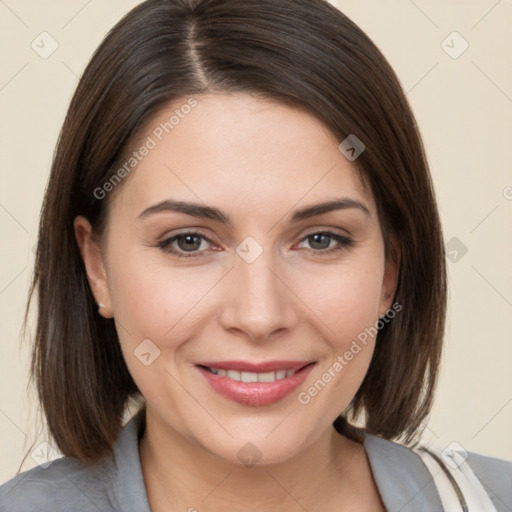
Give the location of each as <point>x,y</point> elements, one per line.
<point>255,384</point>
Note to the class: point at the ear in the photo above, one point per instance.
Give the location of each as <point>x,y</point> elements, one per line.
<point>390,279</point>
<point>94,265</point>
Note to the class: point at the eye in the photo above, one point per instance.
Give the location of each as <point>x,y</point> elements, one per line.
<point>187,244</point>
<point>320,242</point>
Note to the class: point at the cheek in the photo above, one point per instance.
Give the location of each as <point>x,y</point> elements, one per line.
<point>344,297</point>
<point>156,301</point>
<point>346,303</point>
<point>353,308</point>
<point>157,310</point>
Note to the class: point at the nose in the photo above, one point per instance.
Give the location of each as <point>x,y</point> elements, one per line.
<point>259,301</point>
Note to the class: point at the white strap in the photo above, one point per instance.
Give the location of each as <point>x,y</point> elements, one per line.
<point>449,498</point>
<point>474,496</point>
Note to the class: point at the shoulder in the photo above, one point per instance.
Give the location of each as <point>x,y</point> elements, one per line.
<point>66,485</point>
<point>61,485</point>
<point>495,474</point>
<point>400,474</point>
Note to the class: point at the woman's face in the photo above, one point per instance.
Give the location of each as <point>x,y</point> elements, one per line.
<point>250,280</point>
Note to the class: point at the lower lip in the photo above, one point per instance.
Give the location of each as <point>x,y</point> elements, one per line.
<point>255,393</point>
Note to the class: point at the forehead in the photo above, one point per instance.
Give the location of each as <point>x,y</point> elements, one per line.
<point>241,151</point>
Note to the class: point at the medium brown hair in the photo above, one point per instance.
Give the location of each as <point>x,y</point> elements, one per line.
<point>303,53</point>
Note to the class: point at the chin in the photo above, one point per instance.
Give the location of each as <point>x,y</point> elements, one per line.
<point>262,448</point>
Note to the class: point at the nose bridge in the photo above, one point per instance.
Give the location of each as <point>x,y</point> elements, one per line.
<point>260,302</point>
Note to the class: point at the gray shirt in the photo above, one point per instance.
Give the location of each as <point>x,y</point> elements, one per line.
<point>117,485</point>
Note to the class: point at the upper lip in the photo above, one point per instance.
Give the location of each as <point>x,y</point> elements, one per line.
<point>245,366</point>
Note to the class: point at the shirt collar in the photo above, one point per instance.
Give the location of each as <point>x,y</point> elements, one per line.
<point>129,488</point>
<point>404,482</point>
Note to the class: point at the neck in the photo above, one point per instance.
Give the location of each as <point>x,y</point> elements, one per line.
<point>187,476</point>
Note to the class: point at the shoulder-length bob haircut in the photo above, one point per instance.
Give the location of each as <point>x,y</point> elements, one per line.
<point>303,53</point>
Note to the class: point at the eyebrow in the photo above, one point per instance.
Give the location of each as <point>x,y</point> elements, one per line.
<point>212,213</point>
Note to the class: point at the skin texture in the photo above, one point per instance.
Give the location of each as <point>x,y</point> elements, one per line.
<point>258,161</point>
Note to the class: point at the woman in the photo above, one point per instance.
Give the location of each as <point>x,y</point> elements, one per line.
<point>240,237</point>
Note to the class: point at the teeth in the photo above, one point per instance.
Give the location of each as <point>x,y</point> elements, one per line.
<point>248,377</point>
<point>266,377</point>
<point>252,376</point>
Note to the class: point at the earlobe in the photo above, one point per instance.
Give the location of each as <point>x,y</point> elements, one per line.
<point>103,311</point>
<point>94,265</point>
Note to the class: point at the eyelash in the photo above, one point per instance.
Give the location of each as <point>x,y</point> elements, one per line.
<point>345,243</point>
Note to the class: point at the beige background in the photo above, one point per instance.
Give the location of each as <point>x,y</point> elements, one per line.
<point>464,109</point>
